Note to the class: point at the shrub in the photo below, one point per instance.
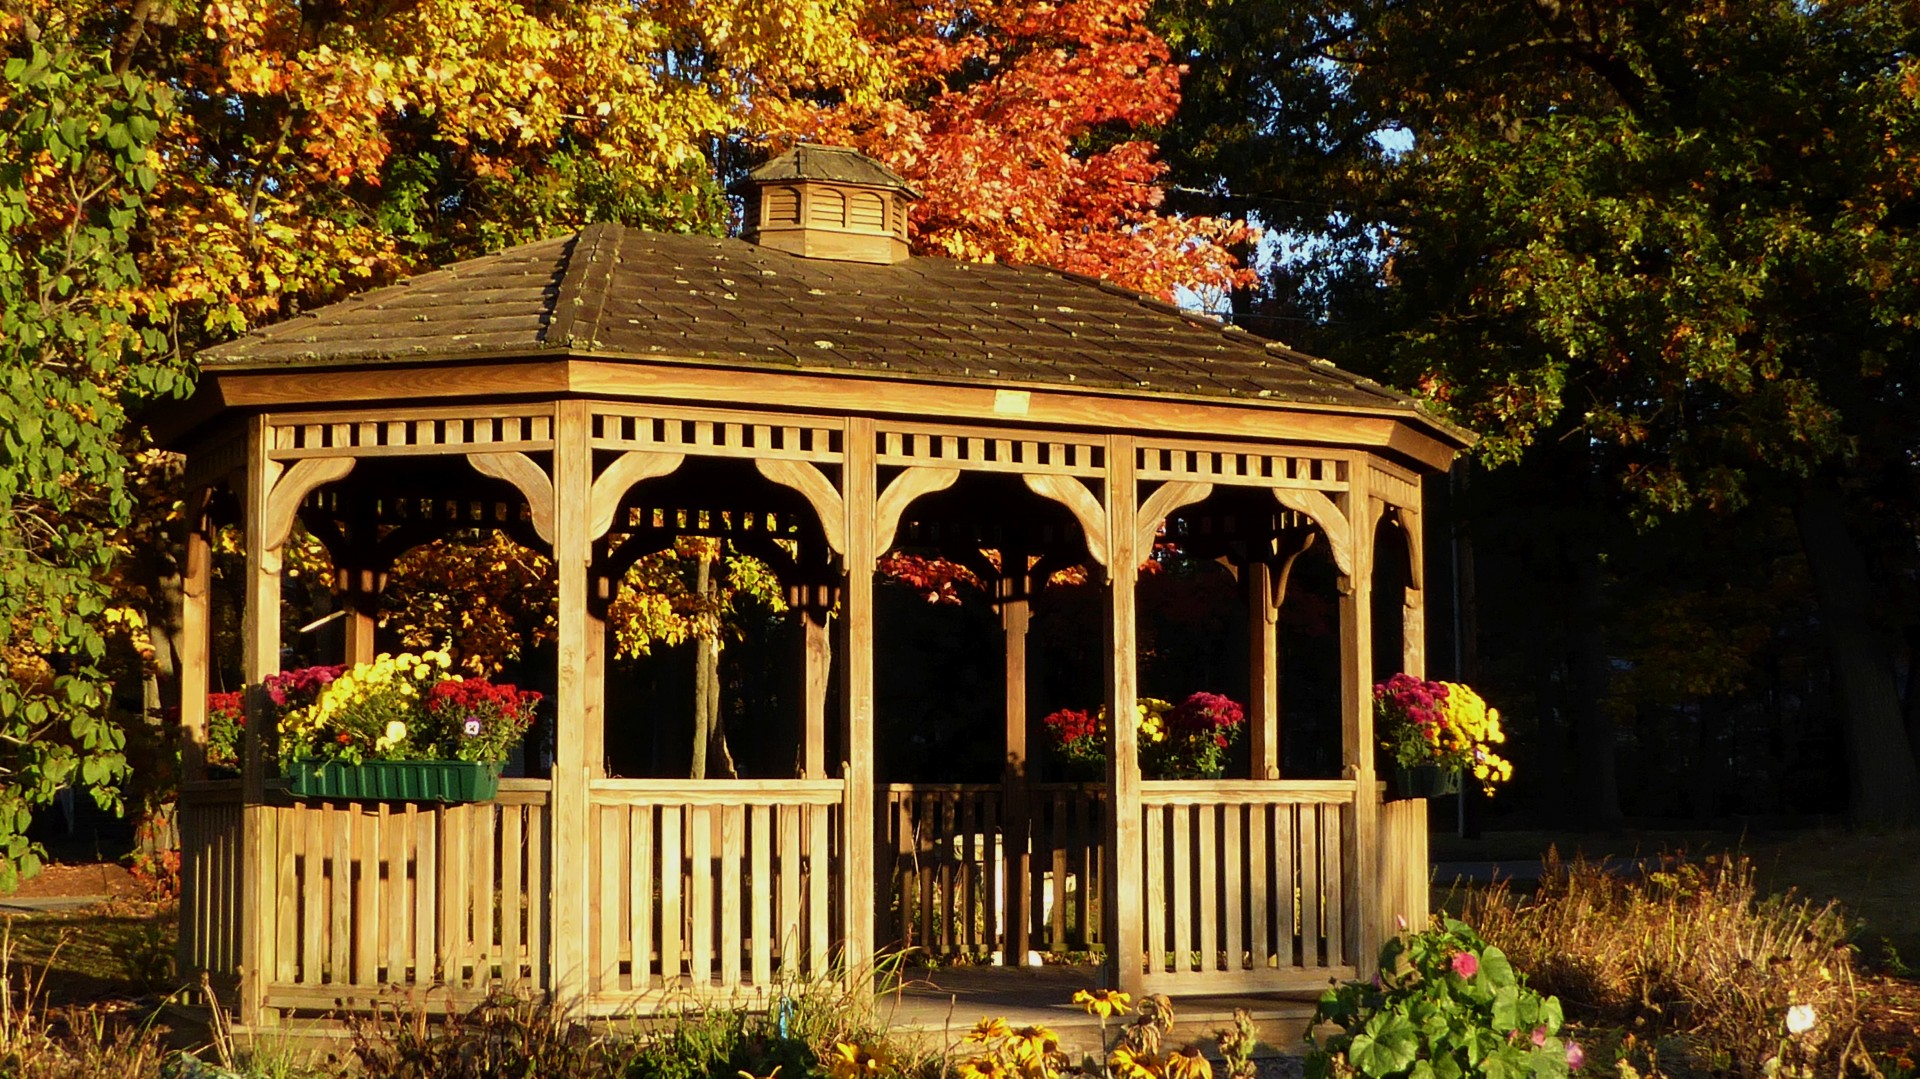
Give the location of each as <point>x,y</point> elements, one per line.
<point>1445,1004</point>
<point>502,1037</point>
<point>1762,985</point>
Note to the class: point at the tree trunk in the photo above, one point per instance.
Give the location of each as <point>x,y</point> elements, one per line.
<point>702,677</point>
<point>1884,778</point>
<point>1595,771</point>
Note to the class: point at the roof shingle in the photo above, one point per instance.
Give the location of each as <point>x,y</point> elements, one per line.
<point>614,291</point>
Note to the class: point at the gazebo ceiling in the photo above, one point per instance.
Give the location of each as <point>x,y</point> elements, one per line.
<point>610,292</point>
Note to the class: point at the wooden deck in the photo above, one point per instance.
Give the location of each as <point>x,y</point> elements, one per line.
<point>944,1004</point>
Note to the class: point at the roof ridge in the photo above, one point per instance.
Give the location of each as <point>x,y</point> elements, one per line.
<point>581,299</point>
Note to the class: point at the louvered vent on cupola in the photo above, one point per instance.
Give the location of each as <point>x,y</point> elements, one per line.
<point>829,202</point>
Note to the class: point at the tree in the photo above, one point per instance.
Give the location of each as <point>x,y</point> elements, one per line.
<point>77,347</point>
<point>1027,125</point>
<point>1678,240</point>
<point>174,172</point>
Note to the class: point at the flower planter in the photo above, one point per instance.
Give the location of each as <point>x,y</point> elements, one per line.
<point>1422,781</point>
<point>396,781</point>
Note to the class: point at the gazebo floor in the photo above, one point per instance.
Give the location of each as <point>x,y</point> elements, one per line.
<point>936,1006</point>
<point>944,1004</point>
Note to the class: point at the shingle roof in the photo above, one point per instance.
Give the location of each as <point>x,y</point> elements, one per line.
<point>615,291</point>
<point>835,164</point>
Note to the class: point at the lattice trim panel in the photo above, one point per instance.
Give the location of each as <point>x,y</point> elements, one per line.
<point>988,451</point>
<point>710,522</point>
<point>420,432</point>
<point>328,504</point>
<point>1240,465</point>
<point>718,435</point>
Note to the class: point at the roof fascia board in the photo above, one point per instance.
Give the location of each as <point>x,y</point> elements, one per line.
<point>1402,431</point>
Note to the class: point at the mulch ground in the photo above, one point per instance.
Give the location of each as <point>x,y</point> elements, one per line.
<point>108,879</point>
<point>1890,1014</point>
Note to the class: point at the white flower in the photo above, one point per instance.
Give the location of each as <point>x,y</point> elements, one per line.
<point>1800,1018</point>
<point>396,733</point>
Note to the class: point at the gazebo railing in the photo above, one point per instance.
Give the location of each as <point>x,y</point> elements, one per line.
<point>955,877</point>
<point>710,890</point>
<point>372,896</point>
<point>210,867</point>
<point>1247,884</point>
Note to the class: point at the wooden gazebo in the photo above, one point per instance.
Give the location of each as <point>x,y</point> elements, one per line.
<point>814,394</point>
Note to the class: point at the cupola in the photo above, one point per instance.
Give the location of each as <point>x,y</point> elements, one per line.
<point>829,202</point>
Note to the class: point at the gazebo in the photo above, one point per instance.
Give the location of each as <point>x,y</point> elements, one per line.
<point>815,395</point>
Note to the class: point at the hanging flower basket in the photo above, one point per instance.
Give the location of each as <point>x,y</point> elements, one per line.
<point>1422,781</point>
<point>395,781</point>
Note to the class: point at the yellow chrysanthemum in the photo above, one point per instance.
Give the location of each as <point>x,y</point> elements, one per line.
<point>989,1030</point>
<point>1034,1042</point>
<point>1188,1064</point>
<point>1103,1002</point>
<point>987,1067</point>
<point>851,1060</point>
<point>1129,1064</point>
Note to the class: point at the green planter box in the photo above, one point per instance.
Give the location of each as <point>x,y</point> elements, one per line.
<point>1422,781</point>
<point>396,781</point>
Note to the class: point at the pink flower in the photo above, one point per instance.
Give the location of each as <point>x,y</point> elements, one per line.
<point>1466,964</point>
<point>1540,1035</point>
<point>1576,1056</point>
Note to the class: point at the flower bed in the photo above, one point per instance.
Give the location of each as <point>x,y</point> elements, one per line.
<point>398,710</point>
<point>1190,740</point>
<point>1444,725</point>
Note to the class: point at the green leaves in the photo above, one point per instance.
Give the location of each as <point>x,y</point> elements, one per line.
<point>1388,1046</point>
<point>1447,1005</point>
<point>77,346</point>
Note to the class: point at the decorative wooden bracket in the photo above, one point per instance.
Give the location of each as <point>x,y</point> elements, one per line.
<point>285,494</point>
<point>528,478</point>
<point>1161,504</point>
<point>1086,509</point>
<point>901,493</point>
<point>611,486</point>
<point>1321,510</point>
<point>813,484</point>
<point>1292,545</point>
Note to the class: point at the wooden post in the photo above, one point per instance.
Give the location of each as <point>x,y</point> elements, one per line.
<point>191,646</point>
<point>817,641</point>
<point>572,484</point>
<point>1363,884</point>
<point>1263,669</point>
<point>1121,913</point>
<point>856,700</point>
<point>362,598</point>
<point>260,657</point>
<point>1016,613</point>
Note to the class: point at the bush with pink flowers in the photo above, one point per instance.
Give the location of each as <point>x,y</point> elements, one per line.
<point>1446,1003</point>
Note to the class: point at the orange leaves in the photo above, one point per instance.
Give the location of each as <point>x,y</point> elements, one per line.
<point>1004,112</point>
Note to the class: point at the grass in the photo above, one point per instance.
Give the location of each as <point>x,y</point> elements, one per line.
<point>1875,877</point>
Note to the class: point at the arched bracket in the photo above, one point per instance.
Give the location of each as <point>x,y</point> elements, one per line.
<point>1321,510</point>
<point>1287,551</point>
<point>1161,504</point>
<point>528,478</point>
<point>812,484</point>
<point>901,493</point>
<point>1086,509</point>
<point>292,488</point>
<point>612,485</point>
<point>1408,522</point>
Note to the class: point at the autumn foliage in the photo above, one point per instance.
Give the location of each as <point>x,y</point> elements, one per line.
<point>1025,123</point>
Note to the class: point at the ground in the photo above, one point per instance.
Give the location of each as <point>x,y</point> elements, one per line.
<point>100,941</point>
